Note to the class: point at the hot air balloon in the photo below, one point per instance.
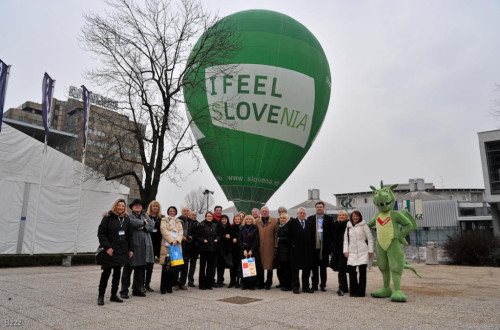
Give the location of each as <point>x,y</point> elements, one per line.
<point>260,118</point>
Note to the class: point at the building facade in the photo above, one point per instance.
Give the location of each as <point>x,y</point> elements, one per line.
<point>489,148</point>
<point>445,212</point>
<point>108,137</point>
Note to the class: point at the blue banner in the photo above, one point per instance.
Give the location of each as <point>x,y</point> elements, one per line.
<point>4,72</point>
<point>86,111</point>
<point>47,91</point>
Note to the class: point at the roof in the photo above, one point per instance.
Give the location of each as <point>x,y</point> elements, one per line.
<point>423,195</point>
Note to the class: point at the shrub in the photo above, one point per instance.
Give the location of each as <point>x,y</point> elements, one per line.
<point>473,248</point>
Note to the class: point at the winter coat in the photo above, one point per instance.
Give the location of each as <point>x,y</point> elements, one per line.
<point>268,238</point>
<point>156,235</point>
<point>208,231</point>
<point>143,246</point>
<point>301,243</point>
<point>328,237</point>
<point>339,261</point>
<point>169,234</point>
<point>189,231</point>
<point>224,243</point>
<point>109,237</point>
<point>234,231</point>
<point>252,241</point>
<point>355,243</point>
<point>283,248</point>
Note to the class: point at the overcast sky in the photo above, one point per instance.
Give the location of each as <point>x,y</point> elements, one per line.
<point>412,84</point>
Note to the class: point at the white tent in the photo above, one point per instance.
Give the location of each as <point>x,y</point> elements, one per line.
<point>46,220</point>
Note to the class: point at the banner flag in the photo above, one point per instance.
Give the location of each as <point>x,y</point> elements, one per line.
<point>86,111</point>
<point>47,93</point>
<point>4,76</point>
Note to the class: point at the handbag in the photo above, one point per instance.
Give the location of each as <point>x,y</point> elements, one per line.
<point>248,266</point>
<point>99,255</point>
<point>176,258</point>
<point>167,265</point>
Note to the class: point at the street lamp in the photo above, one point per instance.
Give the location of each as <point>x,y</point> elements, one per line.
<point>207,192</point>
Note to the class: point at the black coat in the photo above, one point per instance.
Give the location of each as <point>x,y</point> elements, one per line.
<point>252,241</point>
<point>208,231</point>
<point>189,247</point>
<point>329,236</point>
<point>234,231</point>
<point>156,235</point>
<point>108,234</point>
<point>301,243</point>
<point>283,248</point>
<point>339,261</point>
<point>224,243</point>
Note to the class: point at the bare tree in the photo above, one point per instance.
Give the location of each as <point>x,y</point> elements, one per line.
<point>148,51</point>
<point>197,201</point>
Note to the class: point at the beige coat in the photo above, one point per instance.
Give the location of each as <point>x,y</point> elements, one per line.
<point>268,240</point>
<point>167,236</point>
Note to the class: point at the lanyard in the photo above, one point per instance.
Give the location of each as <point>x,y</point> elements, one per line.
<point>121,221</point>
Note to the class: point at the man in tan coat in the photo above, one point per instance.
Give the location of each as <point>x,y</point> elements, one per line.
<point>268,237</point>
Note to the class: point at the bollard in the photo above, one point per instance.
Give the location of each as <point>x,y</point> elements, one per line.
<point>431,258</point>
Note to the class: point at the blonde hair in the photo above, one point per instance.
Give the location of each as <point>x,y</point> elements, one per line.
<point>345,212</point>
<point>151,204</point>
<point>239,216</point>
<point>285,214</point>
<point>248,217</point>
<point>115,206</point>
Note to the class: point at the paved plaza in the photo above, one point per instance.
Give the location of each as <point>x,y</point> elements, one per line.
<point>65,298</point>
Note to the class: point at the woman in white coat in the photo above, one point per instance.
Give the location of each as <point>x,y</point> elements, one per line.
<point>358,249</point>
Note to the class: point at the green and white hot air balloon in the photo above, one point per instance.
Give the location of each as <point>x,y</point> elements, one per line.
<point>255,121</point>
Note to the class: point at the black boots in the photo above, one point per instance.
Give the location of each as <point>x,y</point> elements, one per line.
<point>115,298</point>
<point>100,300</point>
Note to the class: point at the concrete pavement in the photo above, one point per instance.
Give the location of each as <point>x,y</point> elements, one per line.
<point>66,298</point>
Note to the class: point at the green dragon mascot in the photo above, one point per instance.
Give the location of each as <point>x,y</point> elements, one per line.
<point>392,227</point>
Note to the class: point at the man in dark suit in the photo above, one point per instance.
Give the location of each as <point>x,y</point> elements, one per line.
<point>189,228</point>
<point>323,240</point>
<point>300,237</point>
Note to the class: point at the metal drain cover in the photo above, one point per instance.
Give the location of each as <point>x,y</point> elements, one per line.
<point>239,300</point>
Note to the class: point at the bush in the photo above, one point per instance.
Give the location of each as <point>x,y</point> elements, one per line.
<point>473,248</point>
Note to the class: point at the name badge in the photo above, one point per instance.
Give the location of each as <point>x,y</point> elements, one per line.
<point>320,230</point>
<point>155,230</point>
<point>121,232</point>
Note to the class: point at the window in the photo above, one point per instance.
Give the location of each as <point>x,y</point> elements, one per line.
<point>366,200</point>
<point>493,161</point>
<point>476,197</point>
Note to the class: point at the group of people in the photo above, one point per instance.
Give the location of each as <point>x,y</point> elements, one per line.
<point>290,245</point>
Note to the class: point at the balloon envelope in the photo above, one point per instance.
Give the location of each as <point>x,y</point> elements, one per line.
<point>259,119</point>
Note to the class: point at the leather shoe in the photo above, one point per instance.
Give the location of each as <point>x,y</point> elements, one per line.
<point>296,291</point>
<point>149,289</point>
<point>285,289</point>
<point>308,290</point>
<point>182,287</point>
<point>124,295</point>
<point>191,285</point>
<point>100,300</point>
<point>268,287</point>
<point>323,289</point>
<point>340,293</point>
<point>138,294</point>
<point>314,288</point>
<point>115,298</point>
